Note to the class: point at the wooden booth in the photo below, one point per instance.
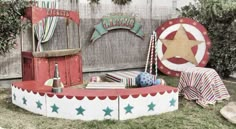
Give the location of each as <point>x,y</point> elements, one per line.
<point>39,66</point>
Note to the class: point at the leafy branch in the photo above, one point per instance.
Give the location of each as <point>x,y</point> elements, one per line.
<point>10,21</point>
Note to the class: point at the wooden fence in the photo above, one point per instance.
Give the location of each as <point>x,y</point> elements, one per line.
<point>116,50</point>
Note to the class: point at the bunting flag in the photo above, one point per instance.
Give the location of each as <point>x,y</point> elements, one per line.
<point>46,27</point>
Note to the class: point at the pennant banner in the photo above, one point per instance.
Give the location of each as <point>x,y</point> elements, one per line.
<point>117,21</point>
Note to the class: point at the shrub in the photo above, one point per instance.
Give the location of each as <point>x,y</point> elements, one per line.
<point>219,18</point>
<point>10,23</point>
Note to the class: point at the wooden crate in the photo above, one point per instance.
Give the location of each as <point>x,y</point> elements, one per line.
<point>41,69</point>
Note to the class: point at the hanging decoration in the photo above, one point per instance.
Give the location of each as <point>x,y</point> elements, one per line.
<point>45,28</point>
<point>182,43</point>
<point>121,2</point>
<point>117,21</point>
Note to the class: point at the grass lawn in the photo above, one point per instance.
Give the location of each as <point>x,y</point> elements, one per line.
<point>189,116</point>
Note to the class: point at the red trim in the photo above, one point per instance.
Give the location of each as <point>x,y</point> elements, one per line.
<point>102,97</point>
<point>112,97</point>
<point>175,90</point>
<point>59,96</point>
<point>161,93</point>
<point>135,95</point>
<point>69,97</point>
<point>50,95</point>
<point>124,96</point>
<point>91,97</point>
<point>79,97</point>
<point>144,95</point>
<point>153,94</point>
<point>41,94</point>
<point>112,94</point>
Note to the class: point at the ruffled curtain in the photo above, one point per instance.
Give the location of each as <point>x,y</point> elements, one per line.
<point>44,30</point>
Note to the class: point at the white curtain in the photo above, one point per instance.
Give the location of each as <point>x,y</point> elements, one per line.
<point>44,30</point>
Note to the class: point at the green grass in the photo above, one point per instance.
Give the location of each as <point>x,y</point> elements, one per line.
<point>189,116</point>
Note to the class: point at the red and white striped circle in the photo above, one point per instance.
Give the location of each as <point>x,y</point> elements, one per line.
<point>195,31</point>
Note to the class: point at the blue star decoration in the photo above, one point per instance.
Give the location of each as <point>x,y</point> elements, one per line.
<point>107,111</point>
<point>128,109</point>
<point>151,106</point>
<point>24,101</point>
<point>54,108</point>
<point>80,110</point>
<point>172,102</point>
<point>39,104</point>
<point>14,96</point>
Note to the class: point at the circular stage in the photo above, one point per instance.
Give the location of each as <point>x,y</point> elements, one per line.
<point>84,104</point>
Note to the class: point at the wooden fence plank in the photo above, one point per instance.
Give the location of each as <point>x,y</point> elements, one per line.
<point>118,49</point>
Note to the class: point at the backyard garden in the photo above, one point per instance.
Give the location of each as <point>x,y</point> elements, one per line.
<point>219,19</point>
<point>188,116</point>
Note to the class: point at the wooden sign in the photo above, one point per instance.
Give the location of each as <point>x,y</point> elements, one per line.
<point>58,12</point>
<point>35,14</point>
<point>117,21</point>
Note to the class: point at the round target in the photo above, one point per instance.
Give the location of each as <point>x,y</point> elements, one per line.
<point>182,43</point>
